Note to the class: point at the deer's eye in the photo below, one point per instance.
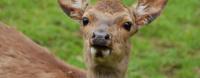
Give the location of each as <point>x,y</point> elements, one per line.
<point>85,21</point>
<point>127,26</point>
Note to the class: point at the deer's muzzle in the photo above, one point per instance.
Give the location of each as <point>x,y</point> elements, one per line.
<point>100,44</point>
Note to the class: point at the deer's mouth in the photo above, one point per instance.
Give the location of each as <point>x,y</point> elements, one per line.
<point>100,51</point>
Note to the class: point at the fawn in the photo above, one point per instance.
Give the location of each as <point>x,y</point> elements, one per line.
<point>106,28</point>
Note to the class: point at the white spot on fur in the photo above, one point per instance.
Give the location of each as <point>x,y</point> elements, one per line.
<point>77,3</point>
<point>140,10</point>
<point>106,52</point>
<point>93,50</point>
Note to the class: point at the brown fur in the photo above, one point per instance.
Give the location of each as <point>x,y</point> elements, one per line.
<point>109,16</point>
<point>110,6</point>
<point>20,57</point>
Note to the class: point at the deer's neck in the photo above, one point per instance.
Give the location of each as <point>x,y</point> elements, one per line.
<point>104,72</point>
<point>113,66</point>
<point>117,70</point>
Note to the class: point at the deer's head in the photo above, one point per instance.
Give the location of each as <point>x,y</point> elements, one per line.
<point>107,25</point>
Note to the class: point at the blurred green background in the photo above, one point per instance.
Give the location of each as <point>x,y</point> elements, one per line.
<point>167,48</point>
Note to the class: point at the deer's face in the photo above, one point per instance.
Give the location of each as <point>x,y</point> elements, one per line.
<point>107,26</point>
<point>107,33</point>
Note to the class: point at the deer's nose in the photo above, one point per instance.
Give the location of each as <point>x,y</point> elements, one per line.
<point>100,38</point>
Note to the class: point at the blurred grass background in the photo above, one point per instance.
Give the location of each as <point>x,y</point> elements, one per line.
<point>167,48</point>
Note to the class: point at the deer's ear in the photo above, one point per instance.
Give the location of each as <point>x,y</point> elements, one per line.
<point>74,8</point>
<point>147,10</point>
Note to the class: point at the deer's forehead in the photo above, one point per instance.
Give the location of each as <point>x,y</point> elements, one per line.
<point>110,6</point>
<point>108,17</point>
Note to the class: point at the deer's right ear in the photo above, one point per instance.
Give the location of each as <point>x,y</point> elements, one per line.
<point>74,8</point>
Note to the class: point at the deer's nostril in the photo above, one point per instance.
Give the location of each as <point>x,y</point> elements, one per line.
<point>107,37</point>
<point>93,36</point>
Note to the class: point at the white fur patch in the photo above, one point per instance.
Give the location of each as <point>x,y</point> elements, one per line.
<point>106,52</point>
<point>93,50</point>
<point>77,3</point>
<point>140,10</point>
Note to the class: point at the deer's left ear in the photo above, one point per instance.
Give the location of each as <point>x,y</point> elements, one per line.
<point>147,10</point>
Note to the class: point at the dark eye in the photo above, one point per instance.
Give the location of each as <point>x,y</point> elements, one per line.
<point>127,25</point>
<point>85,21</point>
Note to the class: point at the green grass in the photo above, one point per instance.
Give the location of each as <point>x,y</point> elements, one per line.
<point>167,48</point>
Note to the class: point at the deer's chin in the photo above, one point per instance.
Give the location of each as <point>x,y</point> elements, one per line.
<point>100,51</point>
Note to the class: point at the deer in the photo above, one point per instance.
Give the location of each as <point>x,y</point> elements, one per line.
<point>20,57</point>
<point>106,28</point>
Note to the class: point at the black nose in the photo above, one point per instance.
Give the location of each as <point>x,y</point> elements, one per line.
<point>100,38</point>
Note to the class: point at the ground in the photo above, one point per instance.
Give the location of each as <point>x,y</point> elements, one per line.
<point>167,48</point>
